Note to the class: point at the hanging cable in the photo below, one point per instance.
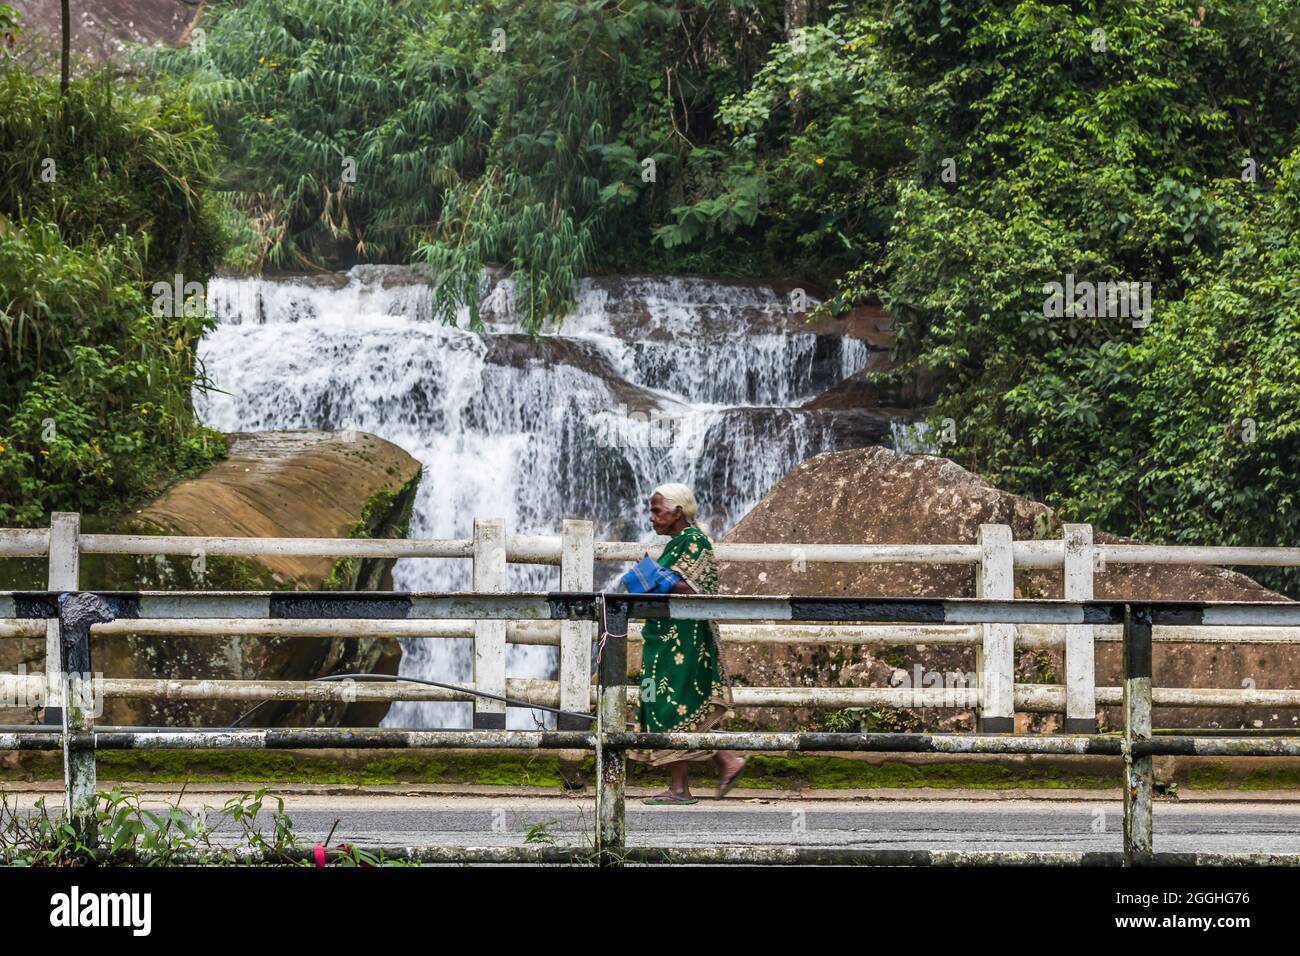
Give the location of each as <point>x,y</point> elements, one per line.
<point>604,632</point>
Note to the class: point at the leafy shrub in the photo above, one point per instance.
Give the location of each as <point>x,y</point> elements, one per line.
<point>128,834</point>
<point>1123,164</point>
<point>112,157</point>
<point>105,196</point>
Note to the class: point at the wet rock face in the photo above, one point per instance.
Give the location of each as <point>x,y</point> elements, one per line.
<point>520,351</point>
<point>878,496</point>
<point>274,484</point>
<point>648,379</point>
<point>103,30</point>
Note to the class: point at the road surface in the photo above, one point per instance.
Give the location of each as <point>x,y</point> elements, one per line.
<point>970,821</point>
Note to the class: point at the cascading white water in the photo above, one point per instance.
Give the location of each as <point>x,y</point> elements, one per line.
<point>649,380</point>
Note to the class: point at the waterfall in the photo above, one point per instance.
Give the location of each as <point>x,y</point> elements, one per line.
<point>648,380</point>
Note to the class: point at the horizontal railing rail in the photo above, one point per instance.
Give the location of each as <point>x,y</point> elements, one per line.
<point>548,550</point>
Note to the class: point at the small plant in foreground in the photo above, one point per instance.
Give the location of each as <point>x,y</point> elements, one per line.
<point>131,834</point>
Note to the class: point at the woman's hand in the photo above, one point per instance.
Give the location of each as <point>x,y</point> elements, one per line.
<point>681,587</point>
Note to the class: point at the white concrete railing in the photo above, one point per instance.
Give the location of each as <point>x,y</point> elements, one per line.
<point>995,557</point>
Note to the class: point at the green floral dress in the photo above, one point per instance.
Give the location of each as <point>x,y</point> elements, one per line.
<point>684,685</point>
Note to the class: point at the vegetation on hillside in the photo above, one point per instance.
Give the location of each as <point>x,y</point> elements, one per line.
<point>104,195</point>
<point>548,137</point>
<point>1146,142</point>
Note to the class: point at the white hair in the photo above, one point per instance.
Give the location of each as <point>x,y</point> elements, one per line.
<point>678,496</point>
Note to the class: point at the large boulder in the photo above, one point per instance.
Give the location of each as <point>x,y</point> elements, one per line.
<point>273,484</point>
<point>878,496</point>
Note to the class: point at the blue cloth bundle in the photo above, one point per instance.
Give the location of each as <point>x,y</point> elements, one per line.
<point>647,577</point>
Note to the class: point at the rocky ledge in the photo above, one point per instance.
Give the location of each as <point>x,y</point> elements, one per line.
<point>273,484</point>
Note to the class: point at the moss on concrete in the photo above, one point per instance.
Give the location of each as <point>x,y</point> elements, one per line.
<point>1272,778</point>
<point>285,767</point>
<point>560,770</point>
<point>816,773</point>
<point>539,770</point>
<point>1206,777</point>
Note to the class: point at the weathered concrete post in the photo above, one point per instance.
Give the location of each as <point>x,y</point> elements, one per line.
<point>1080,669</point>
<point>611,717</point>
<point>577,573</point>
<point>64,564</point>
<point>76,613</point>
<point>995,658</point>
<point>489,636</point>
<point>1138,777</point>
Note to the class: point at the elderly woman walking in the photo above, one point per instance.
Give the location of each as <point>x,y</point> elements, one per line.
<point>684,685</point>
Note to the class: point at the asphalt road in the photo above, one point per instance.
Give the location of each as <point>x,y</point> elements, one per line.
<point>974,824</point>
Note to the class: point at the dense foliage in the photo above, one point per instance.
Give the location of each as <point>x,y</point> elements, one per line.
<point>103,196</point>
<point>551,138</point>
<point>1137,142</point>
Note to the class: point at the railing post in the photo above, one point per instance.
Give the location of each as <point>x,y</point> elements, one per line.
<point>64,565</point>
<point>995,658</point>
<point>611,717</point>
<point>77,612</point>
<point>489,636</point>
<point>1080,669</point>
<point>1139,788</point>
<point>577,573</point>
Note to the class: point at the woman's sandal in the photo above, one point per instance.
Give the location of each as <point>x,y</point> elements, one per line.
<point>726,783</point>
<point>669,799</point>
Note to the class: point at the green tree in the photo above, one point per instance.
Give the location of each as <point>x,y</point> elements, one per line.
<point>95,392</point>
